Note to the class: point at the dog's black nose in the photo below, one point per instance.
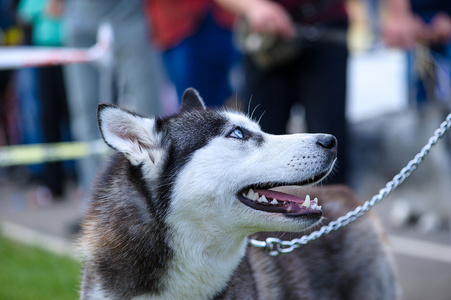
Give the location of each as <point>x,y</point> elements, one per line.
<point>328,142</point>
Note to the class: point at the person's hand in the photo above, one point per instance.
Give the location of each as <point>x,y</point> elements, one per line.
<point>55,8</point>
<point>270,17</point>
<point>440,29</point>
<point>403,31</point>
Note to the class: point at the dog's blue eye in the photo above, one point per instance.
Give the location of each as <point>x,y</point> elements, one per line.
<point>237,133</point>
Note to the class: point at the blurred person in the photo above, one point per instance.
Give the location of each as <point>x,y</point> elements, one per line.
<point>7,108</point>
<point>315,74</point>
<point>18,91</point>
<point>47,30</point>
<point>409,23</point>
<point>196,40</point>
<point>8,37</point>
<point>136,68</point>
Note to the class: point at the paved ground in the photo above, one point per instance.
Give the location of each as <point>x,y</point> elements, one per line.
<point>26,215</point>
<point>423,260</point>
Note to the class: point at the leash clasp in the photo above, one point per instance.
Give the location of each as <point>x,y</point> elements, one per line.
<point>275,246</point>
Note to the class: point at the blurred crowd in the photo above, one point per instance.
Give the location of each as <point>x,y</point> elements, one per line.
<point>268,56</point>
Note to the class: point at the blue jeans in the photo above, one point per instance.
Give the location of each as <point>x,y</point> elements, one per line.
<point>435,86</point>
<point>203,61</point>
<point>27,90</point>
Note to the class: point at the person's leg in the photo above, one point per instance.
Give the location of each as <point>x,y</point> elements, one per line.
<point>61,92</point>
<point>176,65</point>
<point>138,65</point>
<point>82,83</point>
<point>270,91</point>
<point>412,78</point>
<point>441,78</point>
<point>322,74</point>
<point>53,176</point>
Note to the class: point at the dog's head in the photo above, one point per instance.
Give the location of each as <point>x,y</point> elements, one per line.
<point>216,170</point>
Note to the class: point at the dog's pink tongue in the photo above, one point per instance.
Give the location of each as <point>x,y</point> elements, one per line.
<point>279,196</point>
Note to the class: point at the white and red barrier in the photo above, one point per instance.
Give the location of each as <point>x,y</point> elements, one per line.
<point>31,56</point>
<point>23,57</point>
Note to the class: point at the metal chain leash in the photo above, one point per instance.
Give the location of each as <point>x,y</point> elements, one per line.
<point>276,246</point>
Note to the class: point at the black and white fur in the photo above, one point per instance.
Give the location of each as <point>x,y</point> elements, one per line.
<point>169,218</point>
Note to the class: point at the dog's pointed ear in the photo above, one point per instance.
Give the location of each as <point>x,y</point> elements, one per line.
<point>191,100</point>
<point>133,135</point>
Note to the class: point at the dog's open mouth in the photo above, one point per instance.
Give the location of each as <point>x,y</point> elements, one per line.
<point>262,197</point>
<point>278,202</point>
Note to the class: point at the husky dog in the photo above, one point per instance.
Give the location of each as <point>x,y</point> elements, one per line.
<point>171,215</point>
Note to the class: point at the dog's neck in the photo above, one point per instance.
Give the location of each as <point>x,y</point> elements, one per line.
<point>202,264</point>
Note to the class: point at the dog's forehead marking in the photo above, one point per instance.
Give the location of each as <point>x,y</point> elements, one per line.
<point>241,120</point>
<point>193,130</point>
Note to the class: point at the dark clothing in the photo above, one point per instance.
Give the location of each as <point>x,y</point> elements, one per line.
<point>317,80</point>
<point>428,8</point>
<point>316,11</point>
<point>55,120</point>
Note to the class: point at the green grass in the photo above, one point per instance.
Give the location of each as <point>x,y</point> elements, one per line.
<point>32,273</point>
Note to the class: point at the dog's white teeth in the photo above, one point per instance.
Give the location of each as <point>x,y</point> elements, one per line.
<point>262,199</point>
<point>252,195</point>
<point>316,207</point>
<point>314,204</point>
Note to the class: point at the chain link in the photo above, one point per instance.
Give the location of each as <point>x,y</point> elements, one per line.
<point>276,246</point>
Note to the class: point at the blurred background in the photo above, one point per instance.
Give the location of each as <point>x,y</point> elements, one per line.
<point>390,60</point>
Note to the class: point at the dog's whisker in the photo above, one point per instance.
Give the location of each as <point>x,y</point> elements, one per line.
<point>253,111</point>
<point>258,121</point>
<point>249,106</point>
<point>236,100</point>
